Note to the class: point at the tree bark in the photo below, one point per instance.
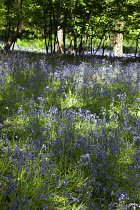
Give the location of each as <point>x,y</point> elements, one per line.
<point>116,39</point>
<point>59,40</point>
<point>20,28</point>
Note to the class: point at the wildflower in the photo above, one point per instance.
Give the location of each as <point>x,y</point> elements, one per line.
<point>84,160</point>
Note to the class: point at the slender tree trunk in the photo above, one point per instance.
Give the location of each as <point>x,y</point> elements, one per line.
<point>64,30</point>
<point>45,24</point>
<point>104,45</point>
<point>55,38</point>
<point>75,44</point>
<point>81,50</point>
<point>59,40</point>
<point>8,22</point>
<point>137,43</point>
<point>60,36</point>
<point>91,45</point>
<point>20,28</point>
<point>50,31</point>
<point>55,31</point>
<point>50,44</point>
<point>70,46</point>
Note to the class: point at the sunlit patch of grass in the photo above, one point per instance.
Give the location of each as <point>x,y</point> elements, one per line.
<point>71,100</point>
<point>36,43</point>
<point>18,120</point>
<point>126,155</point>
<point>55,84</point>
<point>9,78</point>
<point>15,130</point>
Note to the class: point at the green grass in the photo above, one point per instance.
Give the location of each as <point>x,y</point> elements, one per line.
<point>32,44</point>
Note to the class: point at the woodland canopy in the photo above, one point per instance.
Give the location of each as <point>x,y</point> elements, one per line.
<point>74,25</point>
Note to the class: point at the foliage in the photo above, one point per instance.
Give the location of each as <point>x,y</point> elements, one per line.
<point>81,20</point>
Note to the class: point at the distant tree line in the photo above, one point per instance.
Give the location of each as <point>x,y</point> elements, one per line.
<point>71,25</point>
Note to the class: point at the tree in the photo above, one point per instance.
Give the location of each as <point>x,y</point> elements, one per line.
<point>116,39</point>
<point>20,27</point>
<point>124,16</point>
<point>84,24</point>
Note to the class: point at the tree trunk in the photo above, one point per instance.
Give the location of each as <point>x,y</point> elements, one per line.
<point>20,28</point>
<point>8,22</point>
<point>75,44</point>
<point>45,25</point>
<point>59,41</point>
<point>81,49</point>
<point>116,39</point>
<point>137,44</point>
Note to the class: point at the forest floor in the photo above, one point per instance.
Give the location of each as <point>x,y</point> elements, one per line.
<point>69,132</point>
